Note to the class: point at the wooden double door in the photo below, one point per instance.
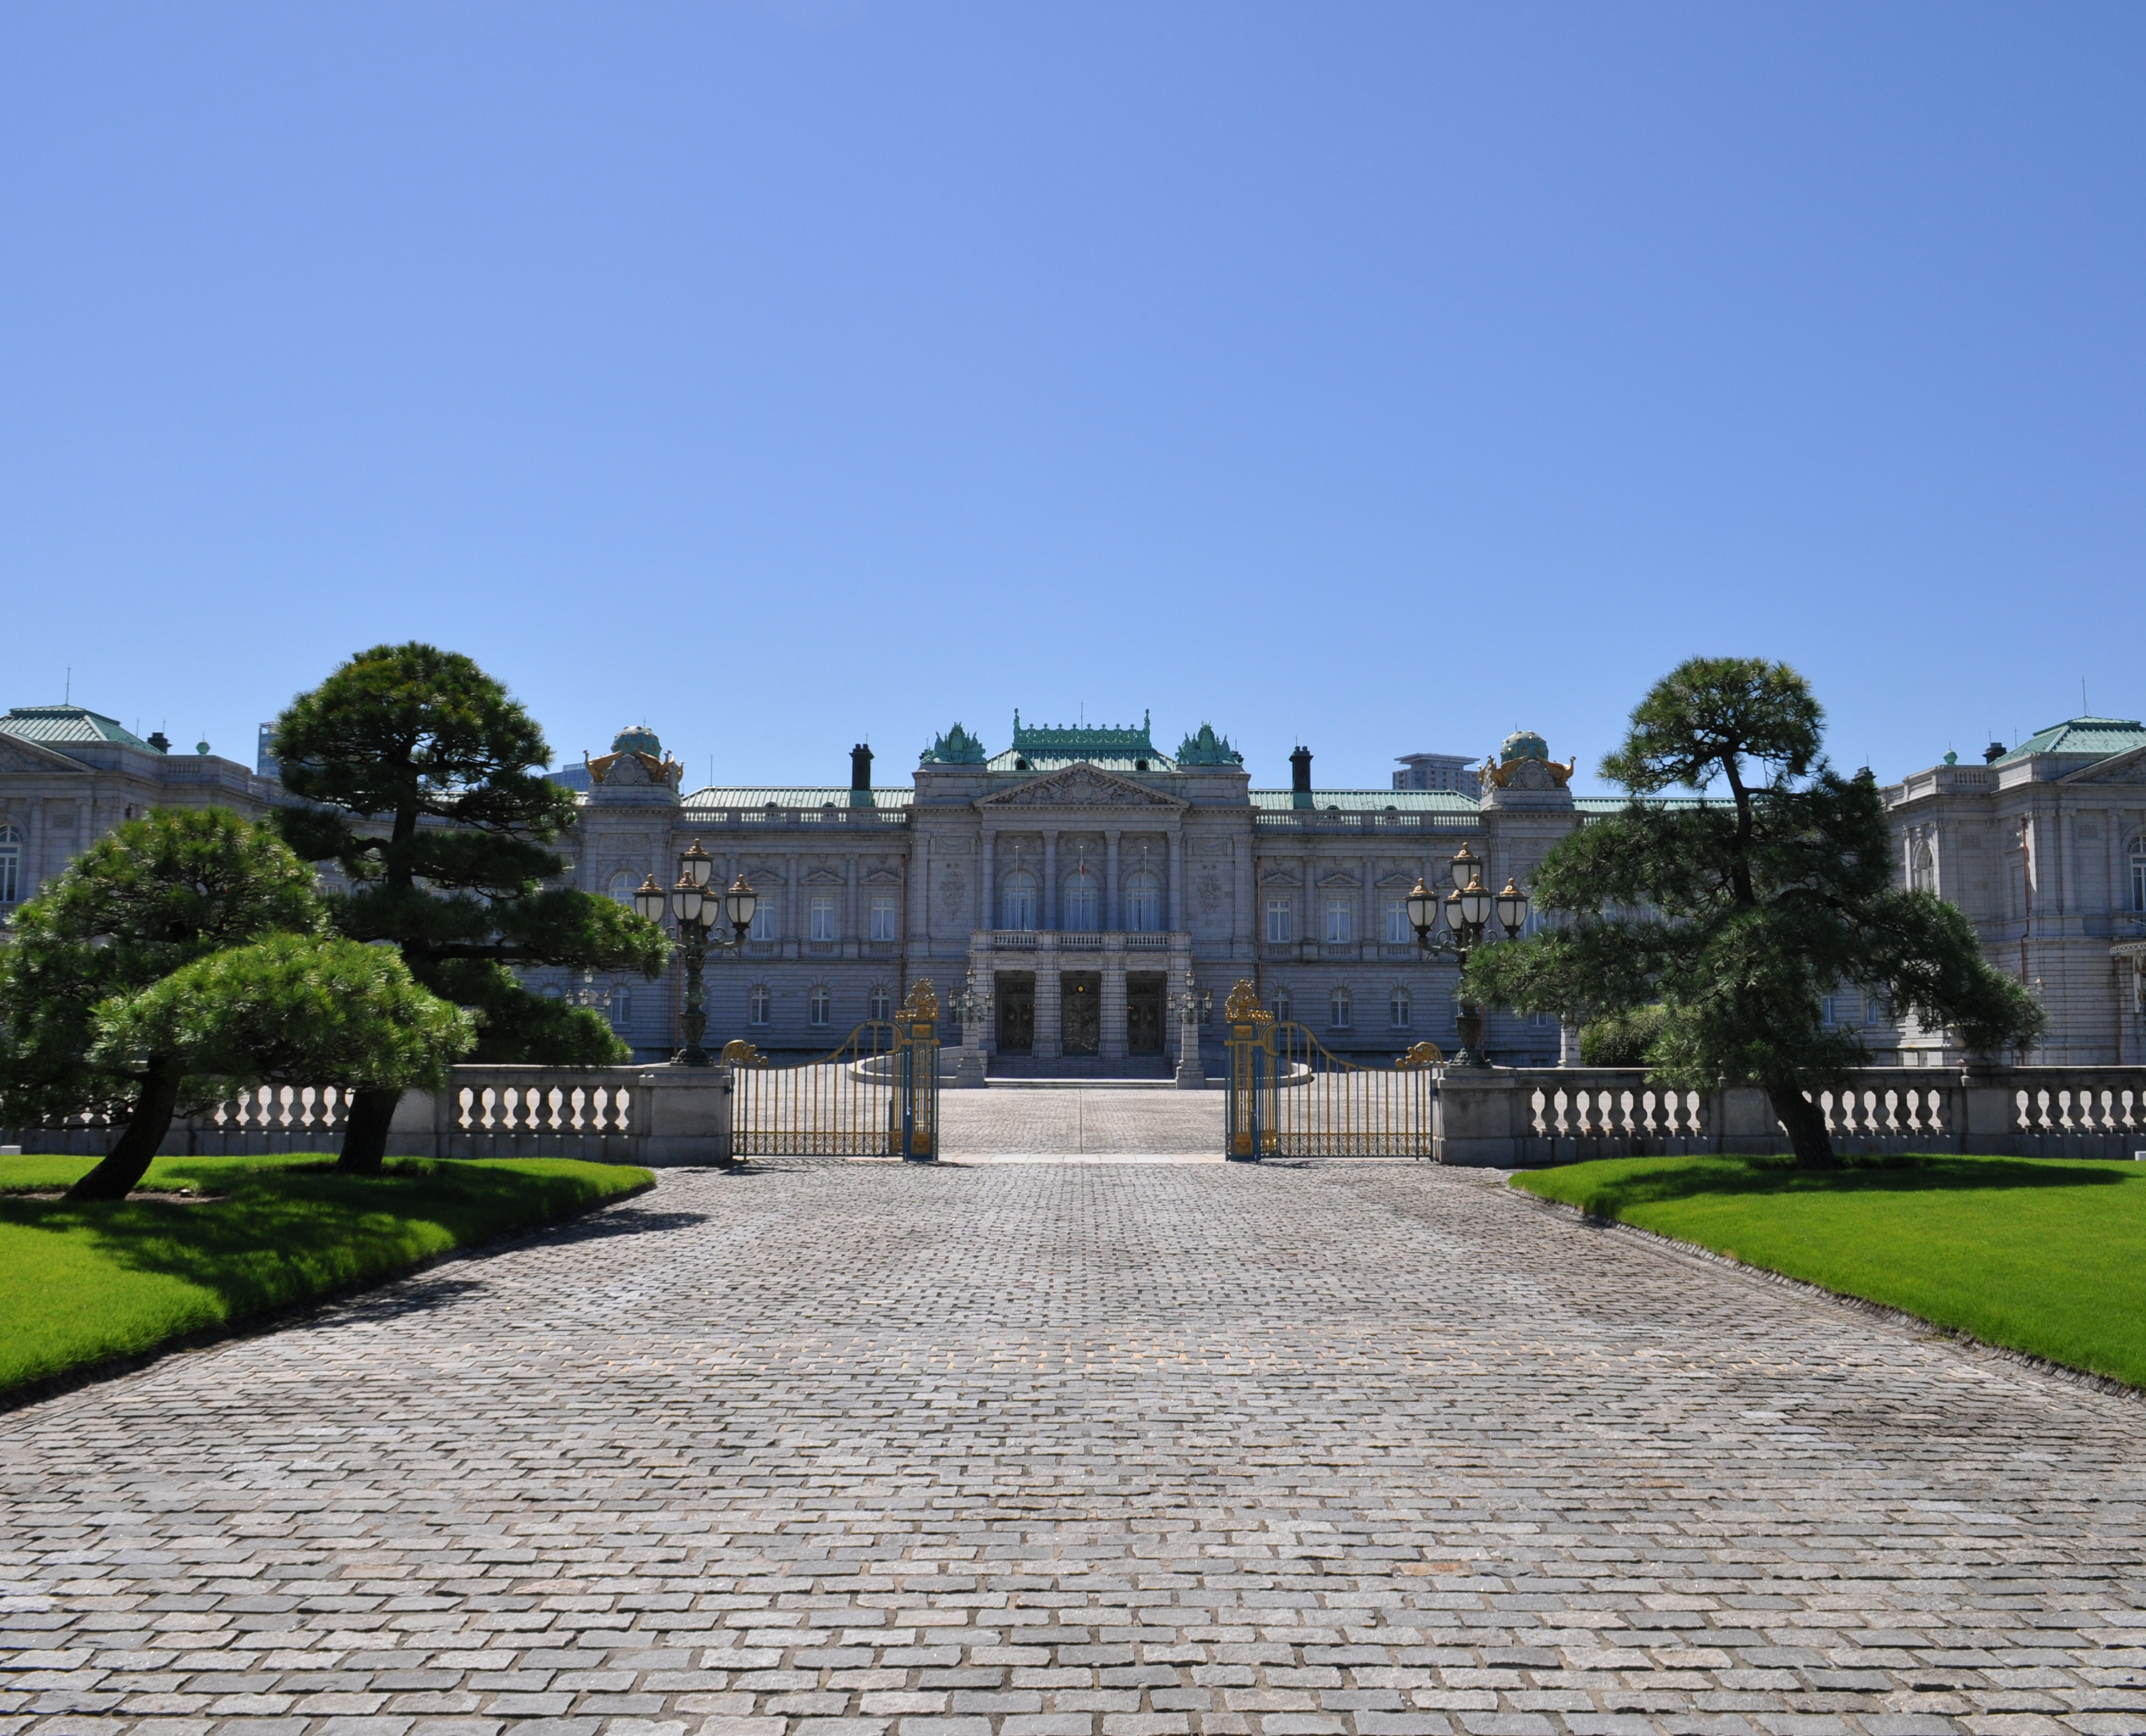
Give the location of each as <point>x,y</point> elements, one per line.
<point>1080,1012</point>
<point>1145,1001</point>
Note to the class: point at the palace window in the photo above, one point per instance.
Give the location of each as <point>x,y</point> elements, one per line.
<point>1017,901</point>
<point>621,888</point>
<point>11,864</point>
<point>883,915</point>
<point>2138,876</point>
<point>879,1004</point>
<point>1283,1006</point>
<point>1838,1011</point>
<point>1923,868</point>
<point>823,916</point>
<point>763,920</point>
<point>1340,1010</point>
<point>1399,1008</point>
<point>1082,911</point>
<point>621,1009</point>
<point>818,1004</point>
<point>1338,910</point>
<point>758,1005</point>
<point>1278,912</point>
<point>1398,931</point>
<point>1143,902</point>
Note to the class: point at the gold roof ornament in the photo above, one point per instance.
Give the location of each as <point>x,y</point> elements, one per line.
<point>921,1002</point>
<point>739,1053</point>
<point>1242,1004</point>
<point>1424,1055</point>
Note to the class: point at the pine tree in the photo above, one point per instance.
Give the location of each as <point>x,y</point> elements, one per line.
<point>422,782</point>
<point>1751,910</point>
<point>180,957</point>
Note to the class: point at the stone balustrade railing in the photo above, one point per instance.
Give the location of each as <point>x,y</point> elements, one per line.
<point>1522,1117</point>
<point>606,1115</point>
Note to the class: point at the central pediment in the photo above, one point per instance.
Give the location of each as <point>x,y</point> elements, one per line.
<point>1082,786</point>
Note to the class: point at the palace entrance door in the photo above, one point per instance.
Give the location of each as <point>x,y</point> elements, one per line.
<point>1015,997</point>
<point>1080,1012</point>
<point>1144,1005</point>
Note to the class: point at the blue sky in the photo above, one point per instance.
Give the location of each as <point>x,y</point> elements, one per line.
<point>782,375</point>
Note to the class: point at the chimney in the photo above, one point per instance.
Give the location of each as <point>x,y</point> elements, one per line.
<point>860,767</point>
<point>1992,753</point>
<point>1300,777</point>
<point>160,741</point>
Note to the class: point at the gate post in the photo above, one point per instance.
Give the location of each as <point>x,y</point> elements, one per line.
<point>916,1073</point>
<point>1250,1117</point>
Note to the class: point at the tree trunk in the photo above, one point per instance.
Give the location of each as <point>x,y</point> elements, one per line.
<point>1806,1126</point>
<point>136,1148</point>
<point>365,1135</point>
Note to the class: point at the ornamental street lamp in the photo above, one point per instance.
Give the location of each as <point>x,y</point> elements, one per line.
<point>1469,909</point>
<point>1193,1004</point>
<point>972,1006</point>
<point>697,911</point>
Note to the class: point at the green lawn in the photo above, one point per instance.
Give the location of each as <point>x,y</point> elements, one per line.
<point>82,1283</point>
<point>2045,1255</point>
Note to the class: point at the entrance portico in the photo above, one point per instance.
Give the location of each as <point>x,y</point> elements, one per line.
<point>1020,963</point>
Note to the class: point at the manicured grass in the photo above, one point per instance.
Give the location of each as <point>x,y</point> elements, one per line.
<point>2045,1255</point>
<point>82,1283</point>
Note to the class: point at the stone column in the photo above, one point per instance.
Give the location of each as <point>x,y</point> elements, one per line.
<point>1050,878</point>
<point>792,932</point>
<point>852,931</point>
<point>1374,931</point>
<point>1177,881</point>
<point>1110,906</point>
<point>987,893</point>
<point>1049,1032</point>
<point>1113,1045</point>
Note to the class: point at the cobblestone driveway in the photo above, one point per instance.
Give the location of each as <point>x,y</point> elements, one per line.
<point>1041,1450</point>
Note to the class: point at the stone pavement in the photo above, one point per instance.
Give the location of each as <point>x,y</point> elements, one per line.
<point>1005,1123</point>
<point>1077,1450</point>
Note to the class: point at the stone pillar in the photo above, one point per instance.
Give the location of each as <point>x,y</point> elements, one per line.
<point>1176,923</point>
<point>1049,1032</point>
<point>1112,1048</point>
<point>1050,878</point>
<point>1568,1043</point>
<point>683,1114</point>
<point>1472,1118</point>
<point>1111,905</point>
<point>852,930</point>
<point>1744,1122</point>
<point>987,894</point>
<point>1989,1112</point>
<point>792,932</point>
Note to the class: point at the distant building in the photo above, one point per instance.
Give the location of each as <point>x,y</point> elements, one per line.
<point>1455,772</point>
<point>68,775</point>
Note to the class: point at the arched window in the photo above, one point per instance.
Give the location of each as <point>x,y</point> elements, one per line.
<point>1283,1006</point>
<point>758,1005</point>
<point>622,1008</point>
<point>11,864</point>
<point>1082,913</point>
<point>879,1004</point>
<point>1399,1009</point>
<point>1340,1010</point>
<point>2139,873</point>
<point>819,1004</point>
<point>552,991</point>
<point>1143,902</point>
<point>1017,901</point>
<point>621,887</point>
<point>1923,868</point>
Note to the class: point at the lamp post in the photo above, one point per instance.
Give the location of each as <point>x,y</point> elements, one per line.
<point>1192,1004</point>
<point>696,909</point>
<point>1469,909</point>
<point>972,1006</point>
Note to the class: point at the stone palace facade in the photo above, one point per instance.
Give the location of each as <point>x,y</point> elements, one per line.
<point>1085,880</point>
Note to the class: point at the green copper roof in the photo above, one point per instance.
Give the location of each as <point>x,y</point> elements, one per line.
<point>1082,743</point>
<point>67,723</point>
<point>1524,745</point>
<point>2088,737</point>
<point>1362,802</point>
<point>763,797</point>
<point>641,739</point>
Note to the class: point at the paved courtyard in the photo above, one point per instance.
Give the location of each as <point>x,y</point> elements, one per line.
<point>1077,1449</point>
<point>1006,1122</point>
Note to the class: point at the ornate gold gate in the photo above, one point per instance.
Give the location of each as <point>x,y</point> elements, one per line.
<point>1291,1097</point>
<point>876,1095</point>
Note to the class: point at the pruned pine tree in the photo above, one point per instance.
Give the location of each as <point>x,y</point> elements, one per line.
<point>140,984</point>
<point>1754,909</point>
<point>422,781</point>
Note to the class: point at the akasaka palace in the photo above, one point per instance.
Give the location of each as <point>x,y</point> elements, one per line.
<point>1087,881</point>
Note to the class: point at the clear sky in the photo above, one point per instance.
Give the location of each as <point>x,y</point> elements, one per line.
<point>785,374</point>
